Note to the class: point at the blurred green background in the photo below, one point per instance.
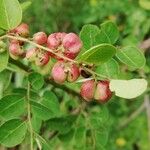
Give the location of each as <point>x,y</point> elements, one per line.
<point>133,20</point>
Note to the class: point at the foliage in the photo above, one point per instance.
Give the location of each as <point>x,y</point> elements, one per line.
<point>42,114</point>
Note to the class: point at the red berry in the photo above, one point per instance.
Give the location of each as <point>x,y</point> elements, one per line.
<point>72,43</point>
<point>22,30</point>
<point>87,90</point>
<point>54,40</point>
<point>102,93</point>
<point>31,54</point>
<point>73,73</point>
<point>42,59</point>
<point>15,49</point>
<point>58,72</point>
<point>70,55</point>
<point>40,38</point>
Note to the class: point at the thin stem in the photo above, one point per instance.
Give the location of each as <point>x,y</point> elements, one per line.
<point>134,115</point>
<point>43,140</point>
<point>29,117</point>
<point>37,45</point>
<point>49,50</point>
<point>94,73</point>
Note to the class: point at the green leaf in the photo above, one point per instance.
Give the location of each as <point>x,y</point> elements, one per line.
<point>99,116</point>
<point>131,56</point>
<point>111,30</point>
<point>98,54</point>
<point>51,101</point>
<point>109,69</point>
<point>36,80</point>
<point>61,124</point>
<point>67,137</point>
<point>128,88</point>
<point>25,5</point>
<point>22,91</point>
<point>12,132</point>
<point>101,136</point>
<point>88,34</point>
<point>41,111</point>
<point>3,60</point>
<point>36,123</point>
<point>5,78</point>
<point>102,37</point>
<point>80,137</point>
<point>12,106</point>
<point>10,14</point>
<point>2,32</point>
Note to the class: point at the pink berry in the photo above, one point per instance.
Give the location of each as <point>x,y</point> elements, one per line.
<point>54,40</point>
<point>70,55</point>
<point>87,90</point>
<point>102,93</point>
<point>73,73</point>
<point>15,49</point>
<point>31,54</point>
<point>40,38</point>
<point>72,43</point>
<point>58,72</point>
<point>22,30</point>
<point>42,59</point>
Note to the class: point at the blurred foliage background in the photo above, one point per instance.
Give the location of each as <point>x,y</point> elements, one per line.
<point>133,20</point>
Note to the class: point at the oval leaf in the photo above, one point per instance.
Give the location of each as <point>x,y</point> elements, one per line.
<point>131,56</point>
<point>109,69</point>
<point>5,78</point>
<point>3,60</point>
<point>51,101</point>
<point>41,111</point>
<point>36,80</point>
<point>128,88</point>
<point>111,30</point>
<point>12,132</point>
<point>12,106</point>
<point>98,54</point>
<point>88,34</point>
<point>10,14</point>
<point>62,124</point>
<point>25,5</point>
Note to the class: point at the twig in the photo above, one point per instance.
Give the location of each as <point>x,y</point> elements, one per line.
<point>49,50</point>
<point>37,45</point>
<point>145,44</point>
<point>132,116</point>
<point>63,87</point>
<point>20,65</point>
<point>29,117</point>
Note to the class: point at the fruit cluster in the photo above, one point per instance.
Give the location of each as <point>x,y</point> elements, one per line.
<point>61,46</point>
